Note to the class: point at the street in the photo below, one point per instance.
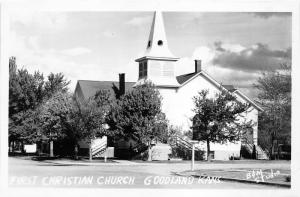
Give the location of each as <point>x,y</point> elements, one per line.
<point>24,172</point>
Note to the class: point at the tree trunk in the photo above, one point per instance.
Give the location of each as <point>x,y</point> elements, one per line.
<point>51,149</point>
<point>208,150</point>
<point>193,156</point>
<point>149,152</point>
<point>76,152</point>
<point>22,147</point>
<point>38,148</point>
<point>10,146</point>
<point>272,147</point>
<point>90,147</point>
<point>13,146</point>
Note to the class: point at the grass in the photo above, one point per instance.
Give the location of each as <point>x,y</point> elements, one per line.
<point>241,174</point>
<point>215,161</point>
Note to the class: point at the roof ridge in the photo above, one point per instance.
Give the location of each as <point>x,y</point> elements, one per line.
<point>186,74</point>
<point>103,81</point>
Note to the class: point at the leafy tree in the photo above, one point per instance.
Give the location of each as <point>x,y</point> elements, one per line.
<point>88,119</point>
<point>65,117</point>
<point>55,83</point>
<point>23,127</point>
<point>138,115</point>
<point>53,116</point>
<point>26,93</point>
<point>25,89</point>
<point>275,97</point>
<point>218,119</point>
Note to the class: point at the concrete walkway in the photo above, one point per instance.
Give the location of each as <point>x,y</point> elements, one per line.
<point>125,162</point>
<point>186,165</point>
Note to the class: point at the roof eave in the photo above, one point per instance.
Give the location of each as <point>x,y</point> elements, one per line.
<point>157,58</point>
<point>220,86</point>
<point>249,100</point>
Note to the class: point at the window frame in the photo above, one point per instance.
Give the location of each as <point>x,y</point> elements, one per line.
<point>143,69</point>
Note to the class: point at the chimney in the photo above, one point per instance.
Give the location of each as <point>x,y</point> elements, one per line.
<point>121,84</point>
<point>197,66</point>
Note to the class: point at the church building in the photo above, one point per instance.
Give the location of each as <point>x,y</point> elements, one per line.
<point>157,65</point>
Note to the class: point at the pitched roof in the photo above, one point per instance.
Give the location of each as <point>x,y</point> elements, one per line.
<point>230,88</point>
<point>89,88</point>
<point>183,78</point>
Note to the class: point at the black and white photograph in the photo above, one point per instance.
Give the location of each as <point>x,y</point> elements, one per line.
<point>155,98</point>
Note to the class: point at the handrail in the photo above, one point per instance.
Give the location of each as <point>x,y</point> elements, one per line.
<point>100,152</point>
<point>97,151</point>
<point>99,145</point>
<point>100,148</point>
<point>259,150</point>
<point>184,143</point>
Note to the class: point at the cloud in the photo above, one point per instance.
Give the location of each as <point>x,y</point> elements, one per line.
<point>203,53</point>
<point>234,64</point>
<point>43,20</point>
<point>258,57</point>
<point>109,34</point>
<point>31,56</point>
<point>76,51</point>
<point>271,14</point>
<point>138,21</point>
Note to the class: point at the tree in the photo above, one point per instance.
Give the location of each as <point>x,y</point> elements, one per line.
<point>27,92</point>
<point>55,83</point>
<point>65,117</point>
<point>137,115</point>
<point>25,89</point>
<point>89,117</point>
<point>218,119</point>
<point>275,97</point>
<point>53,117</point>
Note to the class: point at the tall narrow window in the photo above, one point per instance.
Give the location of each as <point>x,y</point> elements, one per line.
<point>140,70</point>
<point>145,69</point>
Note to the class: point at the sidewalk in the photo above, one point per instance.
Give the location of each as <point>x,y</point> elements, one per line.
<point>275,177</point>
<point>86,162</point>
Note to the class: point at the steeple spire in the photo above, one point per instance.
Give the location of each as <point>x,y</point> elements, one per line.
<point>157,64</point>
<point>157,45</point>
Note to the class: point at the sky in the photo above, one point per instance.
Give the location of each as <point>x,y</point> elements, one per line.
<point>235,48</point>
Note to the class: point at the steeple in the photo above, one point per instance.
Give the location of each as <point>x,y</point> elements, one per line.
<point>157,63</point>
<point>157,45</point>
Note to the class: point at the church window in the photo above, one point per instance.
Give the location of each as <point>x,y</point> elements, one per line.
<point>160,42</point>
<point>143,70</point>
<point>140,70</point>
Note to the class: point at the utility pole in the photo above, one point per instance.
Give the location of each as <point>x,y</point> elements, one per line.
<point>193,142</point>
